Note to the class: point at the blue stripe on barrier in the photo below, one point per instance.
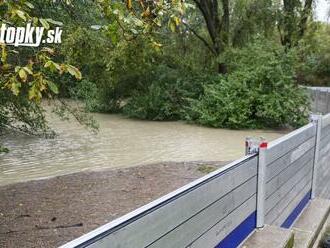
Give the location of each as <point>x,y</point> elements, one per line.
<point>295,213</point>
<point>237,236</point>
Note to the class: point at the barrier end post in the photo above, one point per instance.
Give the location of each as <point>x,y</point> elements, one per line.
<point>261,184</point>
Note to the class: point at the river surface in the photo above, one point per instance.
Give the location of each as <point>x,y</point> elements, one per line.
<point>121,142</point>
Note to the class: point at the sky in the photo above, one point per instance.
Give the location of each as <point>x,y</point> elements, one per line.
<point>322,10</point>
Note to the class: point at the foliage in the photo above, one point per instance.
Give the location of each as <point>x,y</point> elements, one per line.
<point>112,70</point>
<point>159,60</point>
<point>136,18</point>
<point>90,50</point>
<point>313,68</point>
<point>24,74</point>
<point>167,96</point>
<point>259,92</point>
<point>3,149</point>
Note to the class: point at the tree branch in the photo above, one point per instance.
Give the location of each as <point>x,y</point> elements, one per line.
<point>304,17</point>
<point>201,39</point>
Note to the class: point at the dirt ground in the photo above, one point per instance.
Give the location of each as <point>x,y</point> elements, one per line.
<point>49,213</point>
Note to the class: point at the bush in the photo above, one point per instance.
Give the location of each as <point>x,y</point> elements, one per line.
<point>259,91</point>
<point>91,51</point>
<point>167,95</point>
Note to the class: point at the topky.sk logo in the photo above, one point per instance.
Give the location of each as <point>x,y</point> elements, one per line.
<point>29,36</point>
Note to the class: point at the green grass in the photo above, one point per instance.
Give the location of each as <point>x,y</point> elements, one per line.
<point>206,169</point>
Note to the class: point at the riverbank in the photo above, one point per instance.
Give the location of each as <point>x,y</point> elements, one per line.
<point>50,212</point>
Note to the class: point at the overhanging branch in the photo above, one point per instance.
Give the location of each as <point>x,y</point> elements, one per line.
<point>201,38</point>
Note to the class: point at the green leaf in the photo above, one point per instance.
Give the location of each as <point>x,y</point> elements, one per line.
<point>28,70</point>
<point>44,23</point>
<point>52,66</point>
<point>172,26</point>
<point>15,87</point>
<point>54,22</point>
<point>74,72</point>
<point>53,87</point>
<point>30,5</point>
<point>21,14</point>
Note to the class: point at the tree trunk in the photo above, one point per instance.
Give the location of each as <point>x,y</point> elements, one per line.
<point>289,23</point>
<point>304,18</point>
<point>217,26</point>
<point>294,28</point>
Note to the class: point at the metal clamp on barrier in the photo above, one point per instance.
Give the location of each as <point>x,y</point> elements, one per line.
<point>252,145</point>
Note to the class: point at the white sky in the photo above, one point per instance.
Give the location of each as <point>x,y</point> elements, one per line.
<point>322,10</point>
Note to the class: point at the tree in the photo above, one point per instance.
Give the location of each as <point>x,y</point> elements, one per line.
<point>217,19</point>
<point>293,21</point>
<point>232,23</point>
<point>25,73</point>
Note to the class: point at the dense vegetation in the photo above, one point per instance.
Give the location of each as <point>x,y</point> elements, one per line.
<point>220,63</point>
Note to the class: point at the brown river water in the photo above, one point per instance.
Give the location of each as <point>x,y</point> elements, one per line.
<point>121,142</point>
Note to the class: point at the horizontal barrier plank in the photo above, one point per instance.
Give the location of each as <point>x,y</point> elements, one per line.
<point>289,172</point>
<point>273,211</point>
<point>282,216</point>
<point>289,189</point>
<point>288,142</point>
<point>325,139</point>
<point>146,225</point>
<point>323,172</point>
<point>325,192</point>
<point>326,120</point>
<point>324,154</point>
<point>292,204</point>
<point>199,224</point>
<point>323,167</point>
<point>275,168</point>
<point>219,231</point>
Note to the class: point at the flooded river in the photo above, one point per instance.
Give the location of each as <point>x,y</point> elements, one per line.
<point>121,142</point>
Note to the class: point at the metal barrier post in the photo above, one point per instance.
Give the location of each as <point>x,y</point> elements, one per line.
<point>253,146</point>
<point>261,187</point>
<point>317,119</point>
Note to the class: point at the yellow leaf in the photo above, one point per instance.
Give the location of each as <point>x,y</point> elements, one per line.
<point>44,23</point>
<point>15,87</point>
<point>22,74</point>
<point>74,72</point>
<point>30,5</point>
<point>21,14</point>
<point>177,21</point>
<point>28,70</point>
<point>129,4</point>
<point>3,53</point>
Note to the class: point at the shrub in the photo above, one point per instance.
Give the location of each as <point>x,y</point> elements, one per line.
<point>259,91</point>
<point>167,96</point>
<point>91,51</point>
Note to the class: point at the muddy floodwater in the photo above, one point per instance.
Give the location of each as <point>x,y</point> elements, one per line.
<point>121,142</point>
